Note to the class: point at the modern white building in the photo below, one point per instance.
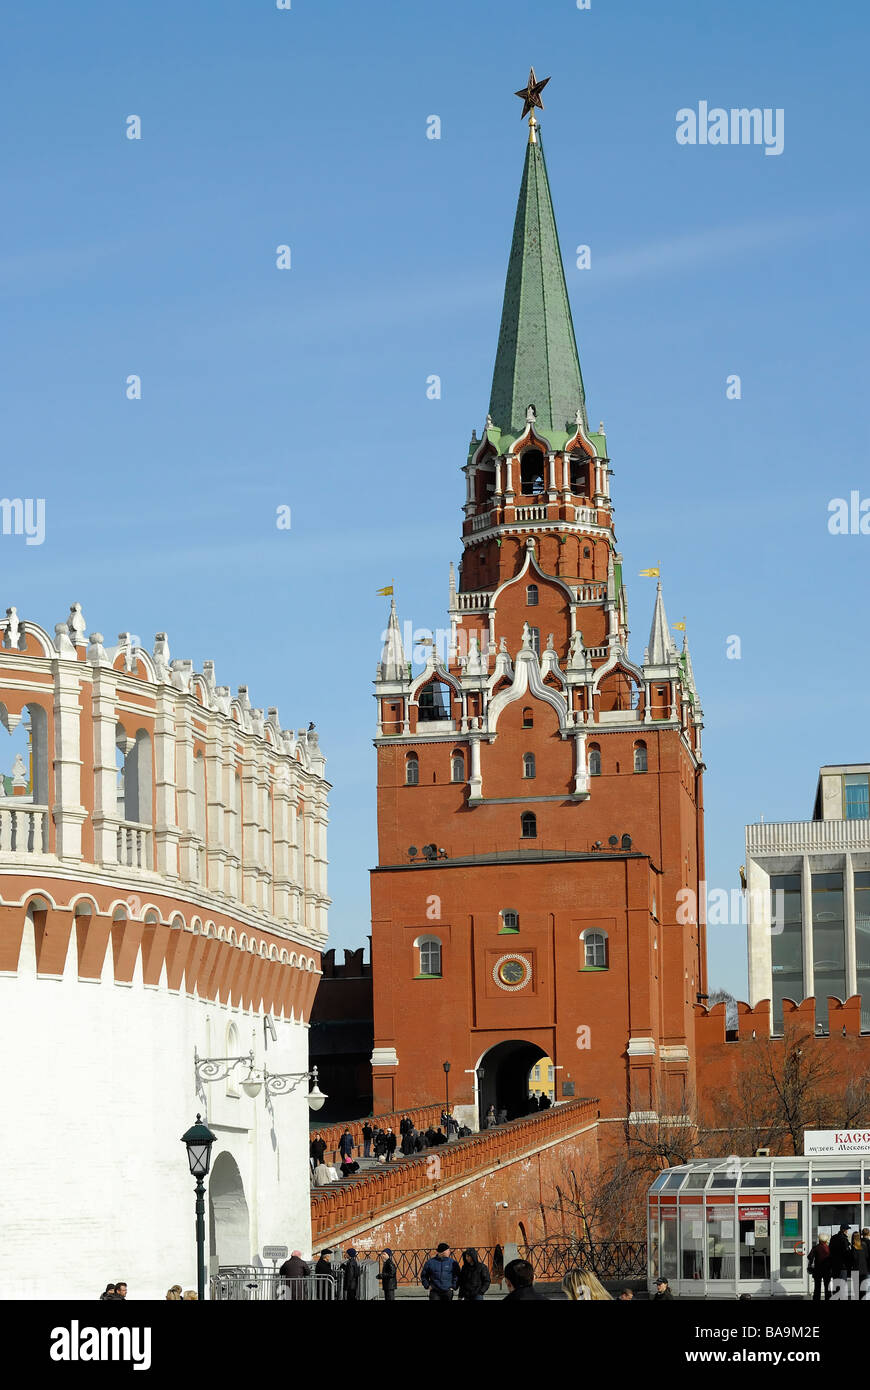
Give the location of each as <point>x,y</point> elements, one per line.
<point>808,896</point>
<point>162,895</point>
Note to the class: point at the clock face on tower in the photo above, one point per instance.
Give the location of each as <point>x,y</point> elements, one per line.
<point>512,972</point>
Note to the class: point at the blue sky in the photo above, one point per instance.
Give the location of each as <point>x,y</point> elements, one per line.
<point>307,387</point>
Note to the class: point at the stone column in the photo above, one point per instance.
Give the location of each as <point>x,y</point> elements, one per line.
<point>807,925</point>
<point>68,812</point>
<point>851,941</point>
<point>104,688</point>
<point>185,795</point>
<point>475,781</point>
<point>166,826</point>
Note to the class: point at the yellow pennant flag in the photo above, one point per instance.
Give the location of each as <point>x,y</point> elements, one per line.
<point>652,573</point>
<point>679,627</point>
<point>387,591</point>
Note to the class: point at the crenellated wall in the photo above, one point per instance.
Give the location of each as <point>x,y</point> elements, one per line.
<point>162,894</point>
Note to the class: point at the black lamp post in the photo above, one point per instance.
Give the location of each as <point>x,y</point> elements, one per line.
<point>199,1140</point>
<point>446,1066</point>
<point>481,1118</point>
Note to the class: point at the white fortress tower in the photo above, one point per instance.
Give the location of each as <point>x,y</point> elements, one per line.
<point>162,891</point>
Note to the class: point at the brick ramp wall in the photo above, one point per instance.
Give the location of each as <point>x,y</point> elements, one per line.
<point>458,1192</point>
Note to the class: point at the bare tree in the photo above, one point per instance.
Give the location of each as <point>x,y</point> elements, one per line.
<point>787,1085</point>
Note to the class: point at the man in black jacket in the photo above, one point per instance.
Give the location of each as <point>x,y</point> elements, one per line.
<point>318,1149</point>
<point>367,1134</point>
<point>841,1259</point>
<point>350,1270</point>
<point>390,1145</point>
<point>474,1277</point>
<point>389,1277</point>
<point>520,1279</point>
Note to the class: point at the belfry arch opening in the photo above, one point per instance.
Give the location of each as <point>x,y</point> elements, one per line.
<point>503,1078</point>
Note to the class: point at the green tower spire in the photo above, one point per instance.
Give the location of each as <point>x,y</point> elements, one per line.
<point>536,362</point>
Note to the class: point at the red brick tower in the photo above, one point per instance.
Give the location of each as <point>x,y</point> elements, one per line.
<point>539,793</point>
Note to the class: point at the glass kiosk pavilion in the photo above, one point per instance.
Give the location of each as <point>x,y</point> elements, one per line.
<point>718,1227</point>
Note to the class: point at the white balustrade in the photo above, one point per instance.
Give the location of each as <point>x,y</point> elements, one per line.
<point>23,828</point>
<point>134,845</point>
<point>531,514</point>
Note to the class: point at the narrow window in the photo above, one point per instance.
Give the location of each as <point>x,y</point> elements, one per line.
<point>532,595</point>
<point>594,760</point>
<point>536,640</point>
<point>412,770</point>
<point>430,956</point>
<point>528,764</point>
<point>595,950</point>
<point>528,719</point>
<point>457,767</point>
<point>530,826</point>
<point>640,757</point>
<point>532,473</point>
<point>510,920</point>
<point>578,475</point>
<point>586,552</point>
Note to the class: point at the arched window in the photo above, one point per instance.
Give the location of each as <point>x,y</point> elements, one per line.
<point>457,767</point>
<point>412,770</point>
<point>536,640</point>
<point>594,950</point>
<point>640,757</point>
<point>594,760</point>
<point>528,718</point>
<point>532,473</point>
<point>510,920</point>
<point>530,826</point>
<point>528,764</point>
<point>532,595</point>
<point>429,962</point>
<point>578,475</point>
<point>431,703</point>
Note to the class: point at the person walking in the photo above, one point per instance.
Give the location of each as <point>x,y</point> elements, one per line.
<point>108,1291</point>
<point>474,1277</point>
<point>390,1144</point>
<point>663,1290</point>
<point>841,1257</point>
<point>350,1270</point>
<point>346,1146</point>
<point>490,1120</point>
<point>380,1144</point>
<point>317,1149</point>
<point>389,1277</point>
<point>520,1279</point>
<point>440,1275</point>
<point>368,1135</point>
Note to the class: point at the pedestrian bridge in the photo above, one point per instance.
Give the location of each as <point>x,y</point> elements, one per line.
<point>494,1188</point>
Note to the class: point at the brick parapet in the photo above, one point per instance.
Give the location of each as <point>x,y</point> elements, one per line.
<point>339,1211</point>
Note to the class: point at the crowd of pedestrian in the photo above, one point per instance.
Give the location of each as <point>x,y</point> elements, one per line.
<point>844,1259</point>
<point>381,1144</point>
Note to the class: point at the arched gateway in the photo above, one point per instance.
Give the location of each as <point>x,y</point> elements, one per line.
<point>503,1077</point>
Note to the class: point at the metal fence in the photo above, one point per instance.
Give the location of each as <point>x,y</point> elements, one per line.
<point>409,1263</point>
<point>254,1285</point>
<point>608,1259</point>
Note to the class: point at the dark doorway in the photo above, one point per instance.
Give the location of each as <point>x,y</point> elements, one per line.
<point>505,1080</point>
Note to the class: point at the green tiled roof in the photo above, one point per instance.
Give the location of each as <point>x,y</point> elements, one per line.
<point>536,361</point>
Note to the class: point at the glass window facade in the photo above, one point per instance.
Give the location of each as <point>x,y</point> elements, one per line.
<point>862,944</point>
<point>749,1236</point>
<point>829,941</point>
<point>787,952</point>
<point>856,799</point>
